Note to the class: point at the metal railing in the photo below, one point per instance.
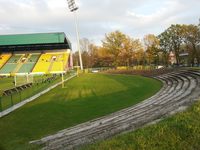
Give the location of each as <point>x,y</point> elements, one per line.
<point>7,101</point>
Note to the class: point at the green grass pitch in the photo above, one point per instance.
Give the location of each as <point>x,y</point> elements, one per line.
<point>84,98</point>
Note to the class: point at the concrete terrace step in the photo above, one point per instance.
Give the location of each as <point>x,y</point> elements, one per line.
<point>117,123</point>
<point>180,88</point>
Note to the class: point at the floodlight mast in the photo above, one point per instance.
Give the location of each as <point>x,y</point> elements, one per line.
<point>73,8</point>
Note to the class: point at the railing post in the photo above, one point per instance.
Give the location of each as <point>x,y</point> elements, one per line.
<point>1,95</point>
<point>11,98</point>
<point>63,84</point>
<point>20,94</point>
<point>1,109</point>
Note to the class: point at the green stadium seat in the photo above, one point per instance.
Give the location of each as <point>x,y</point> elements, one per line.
<point>28,66</point>
<point>10,66</point>
<point>14,59</point>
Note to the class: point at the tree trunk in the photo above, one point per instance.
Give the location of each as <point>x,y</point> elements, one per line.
<point>177,56</point>
<point>196,53</point>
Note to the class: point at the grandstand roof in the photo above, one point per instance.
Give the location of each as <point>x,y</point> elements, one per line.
<point>40,38</point>
<point>34,41</point>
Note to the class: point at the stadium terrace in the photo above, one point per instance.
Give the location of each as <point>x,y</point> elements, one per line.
<point>41,53</point>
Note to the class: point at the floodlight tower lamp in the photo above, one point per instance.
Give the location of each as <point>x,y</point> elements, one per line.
<point>72,7</point>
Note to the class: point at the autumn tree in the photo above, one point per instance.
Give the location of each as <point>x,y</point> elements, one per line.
<point>84,45</point>
<point>104,57</point>
<point>76,58</point>
<point>114,43</point>
<point>174,37</point>
<point>191,35</point>
<point>93,55</point>
<point>86,59</point>
<point>138,57</point>
<point>165,47</point>
<point>130,46</point>
<point>122,48</point>
<point>151,43</point>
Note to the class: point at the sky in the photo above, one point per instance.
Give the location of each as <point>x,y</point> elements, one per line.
<point>135,18</point>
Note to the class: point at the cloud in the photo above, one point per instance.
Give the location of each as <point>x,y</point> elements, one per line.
<point>135,18</point>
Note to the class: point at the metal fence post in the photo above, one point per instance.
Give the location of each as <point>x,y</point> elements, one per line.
<point>11,98</point>
<point>20,94</point>
<point>1,109</point>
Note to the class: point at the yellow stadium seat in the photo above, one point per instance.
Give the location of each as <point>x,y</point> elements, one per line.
<point>52,63</point>
<point>43,64</point>
<point>4,58</point>
<point>60,63</point>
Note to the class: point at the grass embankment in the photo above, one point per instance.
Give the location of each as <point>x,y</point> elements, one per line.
<point>194,68</point>
<point>179,132</point>
<point>84,98</point>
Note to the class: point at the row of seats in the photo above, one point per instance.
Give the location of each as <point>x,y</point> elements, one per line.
<point>4,58</point>
<point>15,58</point>
<point>11,64</point>
<point>60,62</point>
<point>35,63</point>
<point>43,64</point>
<point>51,62</point>
<point>29,63</point>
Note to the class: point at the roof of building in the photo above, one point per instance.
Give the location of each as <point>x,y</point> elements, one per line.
<point>37,38</point>
<point>34,41</point>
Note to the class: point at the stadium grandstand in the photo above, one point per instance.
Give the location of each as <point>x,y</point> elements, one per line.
<point>41,53</point>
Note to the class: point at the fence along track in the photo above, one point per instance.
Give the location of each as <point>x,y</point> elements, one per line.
<point>32,98</point>
<point>180,88</point>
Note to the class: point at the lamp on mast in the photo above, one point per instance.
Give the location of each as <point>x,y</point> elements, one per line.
<point>73,8</point>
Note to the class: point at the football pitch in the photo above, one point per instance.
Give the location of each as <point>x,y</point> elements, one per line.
<point>84,98</point>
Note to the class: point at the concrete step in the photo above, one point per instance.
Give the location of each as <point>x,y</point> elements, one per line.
<point>180,88</point>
